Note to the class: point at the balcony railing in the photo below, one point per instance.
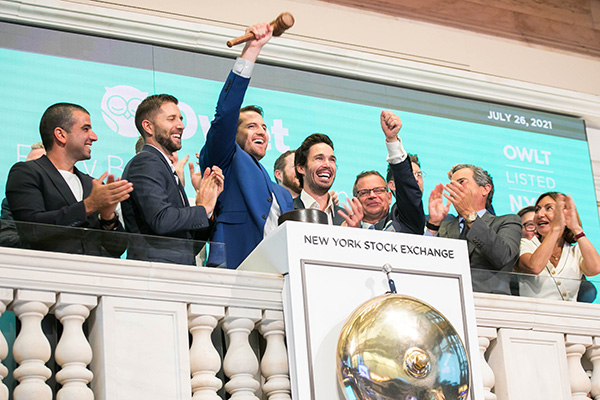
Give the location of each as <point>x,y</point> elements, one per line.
<point>146,330</point>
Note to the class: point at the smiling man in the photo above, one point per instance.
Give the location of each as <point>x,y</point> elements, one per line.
<point>285,174</point>
<point>159,205</point>
<point>237,140</point>
<point>51,190</point>
<point>493,241</point>
<point>316,167</point>
<point>370,188</point>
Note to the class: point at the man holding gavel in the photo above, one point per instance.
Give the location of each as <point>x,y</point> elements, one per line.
<point>251,203</point>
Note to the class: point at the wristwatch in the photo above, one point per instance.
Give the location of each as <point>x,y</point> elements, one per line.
<point>471,217</point>
<point>107,222</point>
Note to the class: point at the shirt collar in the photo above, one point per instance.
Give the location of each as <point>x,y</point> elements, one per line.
<point>165,156</point>
<point>310,202</point>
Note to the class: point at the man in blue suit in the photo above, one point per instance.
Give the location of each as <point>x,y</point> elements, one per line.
<point>159,205</point>
<point>251,203</point>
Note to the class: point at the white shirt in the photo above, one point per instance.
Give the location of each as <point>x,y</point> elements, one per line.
<point>310,202</point>
<point>560,282</point>
<point>74,183</point>
<point>396,152</point>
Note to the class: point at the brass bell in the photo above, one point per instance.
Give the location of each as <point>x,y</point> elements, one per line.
<point>396,347</point>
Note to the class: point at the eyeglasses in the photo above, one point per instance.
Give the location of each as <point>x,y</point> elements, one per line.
<point>529,226</point>
<point>419,174</point>
<point>366,192</point>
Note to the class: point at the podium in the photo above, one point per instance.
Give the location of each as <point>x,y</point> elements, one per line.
<point>329,271</point>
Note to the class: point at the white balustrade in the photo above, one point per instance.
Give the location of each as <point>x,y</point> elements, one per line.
<point>32,349</point>
<point>165,298</point>
<point>580,383</point>
<point>73,351</point>
<point>274,363</point>
<point>594,357</point>
<point>205,361</point>
<point>6,296</point>
<point>240,363</point>
<point>486,335</point>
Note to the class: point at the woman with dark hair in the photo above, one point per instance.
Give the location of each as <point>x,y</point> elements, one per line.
<point>559,254</point>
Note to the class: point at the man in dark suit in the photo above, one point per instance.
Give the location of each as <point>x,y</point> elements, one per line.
<point>159,205</point>
<point>237,140</point>
<point>315,164</point>
<point>50,190</point>
<point>493,241</point>
<point>370,188</point>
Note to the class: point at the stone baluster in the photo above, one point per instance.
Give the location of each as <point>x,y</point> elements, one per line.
<point>32,349</point>
<point>486,335</point>
<point>580,383</point>
<point>274,364</point>
<point>594,357</point>
<point>73,351</point>
<point>6,296</point>
<point>240,363</point>
<point>205,361</point>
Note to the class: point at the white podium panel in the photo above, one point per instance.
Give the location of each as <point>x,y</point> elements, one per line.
<point>329,271</point>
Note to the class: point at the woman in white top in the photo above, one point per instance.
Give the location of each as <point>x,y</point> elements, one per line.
<point>560,252</point>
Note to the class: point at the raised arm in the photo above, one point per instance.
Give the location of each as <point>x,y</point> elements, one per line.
<point>409,198</point>
<point>220,140</point>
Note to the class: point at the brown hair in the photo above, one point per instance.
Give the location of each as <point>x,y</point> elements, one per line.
<point>568,234</point>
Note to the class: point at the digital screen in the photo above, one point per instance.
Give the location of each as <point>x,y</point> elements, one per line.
<point>526,152</point>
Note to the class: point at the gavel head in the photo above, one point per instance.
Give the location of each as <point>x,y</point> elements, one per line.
<point>281,23</point>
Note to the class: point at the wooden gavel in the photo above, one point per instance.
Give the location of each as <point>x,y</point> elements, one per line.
<point>280,24</point>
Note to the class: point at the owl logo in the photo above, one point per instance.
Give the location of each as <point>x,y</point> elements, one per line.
<point>118,106</point>
<point>120,103</point>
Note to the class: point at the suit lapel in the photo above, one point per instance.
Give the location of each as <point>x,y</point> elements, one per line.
<point>57,179</point>
<point>178,185</point>
<point>298,204</point>
<point>86,184</point>
<point>453,229</point>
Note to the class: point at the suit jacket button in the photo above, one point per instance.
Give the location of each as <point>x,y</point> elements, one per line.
<point>264,216</point>
<point>269,199</point>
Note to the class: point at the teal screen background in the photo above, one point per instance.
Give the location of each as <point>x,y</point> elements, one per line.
<point>524,161</point>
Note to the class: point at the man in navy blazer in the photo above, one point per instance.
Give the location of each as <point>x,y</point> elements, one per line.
<point>50,190</point>
<point>370,188</point>
<point>159,205</point>
<point>251,203</point>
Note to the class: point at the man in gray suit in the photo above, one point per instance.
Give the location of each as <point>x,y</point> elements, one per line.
<point>493,241</point>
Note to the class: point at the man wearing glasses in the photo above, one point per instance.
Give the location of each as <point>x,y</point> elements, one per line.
<point>370,188</point>
<point>526,214</point>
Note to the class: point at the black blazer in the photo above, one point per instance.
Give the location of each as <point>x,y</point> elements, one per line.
<point>407,214</point>
<point>37,192</point>
<point>157,207</point>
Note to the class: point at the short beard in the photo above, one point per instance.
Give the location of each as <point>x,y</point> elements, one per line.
<point>291,183</point>
<point>168,144</point>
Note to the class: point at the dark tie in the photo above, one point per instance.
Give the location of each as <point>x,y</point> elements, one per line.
<point>181,190</point>
<point>465,230</point>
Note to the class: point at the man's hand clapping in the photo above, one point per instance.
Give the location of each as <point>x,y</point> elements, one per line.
<point>209,187</point>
